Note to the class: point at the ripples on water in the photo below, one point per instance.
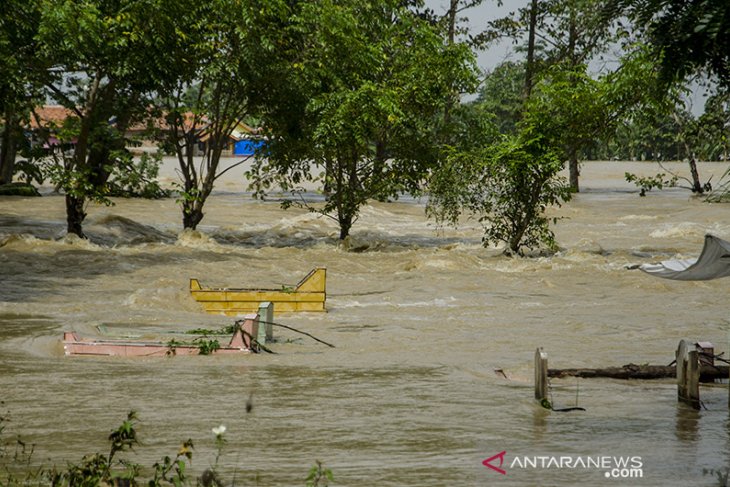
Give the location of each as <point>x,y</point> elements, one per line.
<point>421,320</point>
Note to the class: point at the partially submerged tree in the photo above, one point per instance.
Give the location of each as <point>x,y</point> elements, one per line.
<point>356,110</point>
<point>687,39</point>
<point>105,61</point>
<point>220,55</point>
<point>507,187</point>
<point>569,33</point>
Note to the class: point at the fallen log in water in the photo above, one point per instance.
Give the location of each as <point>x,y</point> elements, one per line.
<point>708,373</point>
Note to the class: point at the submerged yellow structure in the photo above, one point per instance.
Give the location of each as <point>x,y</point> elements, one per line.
<point>308,295</point>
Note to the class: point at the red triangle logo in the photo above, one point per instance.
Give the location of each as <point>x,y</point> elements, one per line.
<point>488,462</point>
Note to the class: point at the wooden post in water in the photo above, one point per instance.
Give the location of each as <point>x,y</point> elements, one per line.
<point>266,316</point>
<point>688,374</point>
<point>541,375</point>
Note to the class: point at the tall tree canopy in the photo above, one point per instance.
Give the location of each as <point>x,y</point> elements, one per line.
<point>221,57</point>
<point>689,36</point>
<point>105,60</point>
<point>569,33</point>
<point>359,87</point>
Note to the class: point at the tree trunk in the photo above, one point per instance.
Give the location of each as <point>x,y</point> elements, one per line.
<point>191,217</point>
<point>574,170</point>
<point>573,151</point>
<point>349,189</point>
<point>75,215</point>
<point>696,185</point>
<point>345,225</point>
<point>530,66</point>
<point>452,97</point>
<point>8,147</point>
<point>327,186</point>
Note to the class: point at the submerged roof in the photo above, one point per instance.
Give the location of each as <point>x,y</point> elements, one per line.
<point>713,263</point>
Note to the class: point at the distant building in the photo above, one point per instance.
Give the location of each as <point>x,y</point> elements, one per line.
<point>48,119</point>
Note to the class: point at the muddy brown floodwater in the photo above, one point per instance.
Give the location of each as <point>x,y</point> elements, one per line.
<point>420,319</point>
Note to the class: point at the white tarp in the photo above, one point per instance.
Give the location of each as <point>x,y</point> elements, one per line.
<point>713,263</point>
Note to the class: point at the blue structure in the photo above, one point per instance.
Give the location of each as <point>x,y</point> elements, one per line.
<point>248,147</point>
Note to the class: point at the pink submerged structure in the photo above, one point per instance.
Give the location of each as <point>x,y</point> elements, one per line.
<point>242,341</point>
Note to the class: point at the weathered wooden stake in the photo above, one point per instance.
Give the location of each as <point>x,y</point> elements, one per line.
<point>266,315</point>
<point>688,374</point>
<point>541,375</point>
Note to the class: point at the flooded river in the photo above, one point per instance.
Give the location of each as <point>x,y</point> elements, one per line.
<point>420,319</point>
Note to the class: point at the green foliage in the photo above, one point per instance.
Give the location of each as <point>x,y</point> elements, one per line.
<point>131,177</point>
<point>713,138</point>
<point>96,469</point>
<point>363,86</point>
<point>23,73</point>
<point>567,107</point>
<point>647,183</point>
<point>18,189</point>
<point>112,469</point>
<point>172,345</point>
<point>502,94</point>
<point>319,476</point>
<point>225,330</point>
<point>207,346</point>
<point>126,177</point>
<point>688,37</point>
<point>29,171</point>
<point>173,470</point>
<point>572,30</point>
<point>220,51</point>
<point>107,59</point>
<point>507,186</point>
<point>573,110</point>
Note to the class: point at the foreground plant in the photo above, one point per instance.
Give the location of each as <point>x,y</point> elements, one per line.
<point>99,468</point>
<point>112,469</point>
<point>319,476</point>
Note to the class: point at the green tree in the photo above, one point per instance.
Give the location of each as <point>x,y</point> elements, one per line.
<point>507,186</point>
<point>575,110</point>
<point>105,59</point>
<point>510,184</point>
<point>223,51</point>
<point>688,37</point>
<point>714,127</point>
<point>364,84</point>
<point>502,94</point>
<point>569,33</point>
